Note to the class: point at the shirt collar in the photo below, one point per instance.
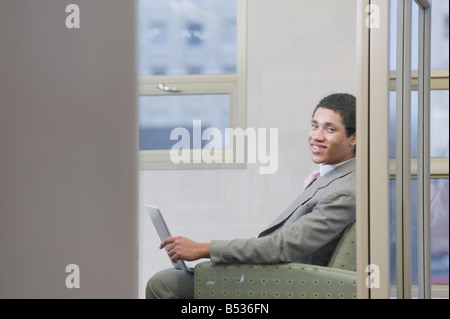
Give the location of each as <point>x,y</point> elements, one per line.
<point>326,168</point>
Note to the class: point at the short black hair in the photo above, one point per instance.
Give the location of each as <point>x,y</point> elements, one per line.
<point>345,105</point>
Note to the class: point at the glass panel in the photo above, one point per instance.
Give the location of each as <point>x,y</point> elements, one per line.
<point>393,35</point>
<point>439,146</point>
<point>392,123</point>
<point>415,37</point>
<point>439,35</point>
<point>160,114</point>
<point>439,128</point>
<point>439,190</point>
<point>181,37</point>
<point>439,224</point>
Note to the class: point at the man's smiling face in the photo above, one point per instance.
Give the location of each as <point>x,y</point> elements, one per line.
<point>328,139</point>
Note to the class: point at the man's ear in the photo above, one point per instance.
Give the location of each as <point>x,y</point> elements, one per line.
<point>353,140</point>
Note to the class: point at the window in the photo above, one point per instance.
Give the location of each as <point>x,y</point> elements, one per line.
<point>191,70</point>
<point>159,115</point>
<point>439,144</point>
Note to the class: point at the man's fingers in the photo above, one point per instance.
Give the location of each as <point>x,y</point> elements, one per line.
<point>167,241</point>
<point>172,252</point>
<point>170,245</point>
<point>174,258</point>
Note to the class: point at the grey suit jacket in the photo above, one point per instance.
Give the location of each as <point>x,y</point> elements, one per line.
<point>307,231</point>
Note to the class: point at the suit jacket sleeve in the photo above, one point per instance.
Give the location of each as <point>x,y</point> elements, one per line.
<point>310,228</point>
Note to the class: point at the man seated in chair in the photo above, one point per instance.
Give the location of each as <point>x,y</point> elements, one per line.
<point>308,230</point>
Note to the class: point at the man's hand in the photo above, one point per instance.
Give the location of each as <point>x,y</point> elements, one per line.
<point>185,249</point>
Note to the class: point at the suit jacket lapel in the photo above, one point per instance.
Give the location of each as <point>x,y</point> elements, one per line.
<point>309,193</point>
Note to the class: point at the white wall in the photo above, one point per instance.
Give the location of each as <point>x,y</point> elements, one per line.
<point>68,140</point>
<point>298,52</point>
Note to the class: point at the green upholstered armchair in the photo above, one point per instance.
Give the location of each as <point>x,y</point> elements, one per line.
<point>290,280</point>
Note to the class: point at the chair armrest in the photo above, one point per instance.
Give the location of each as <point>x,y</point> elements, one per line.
<point>292,280</point>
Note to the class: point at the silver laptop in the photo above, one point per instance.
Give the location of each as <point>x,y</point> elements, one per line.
<point>163,232</point>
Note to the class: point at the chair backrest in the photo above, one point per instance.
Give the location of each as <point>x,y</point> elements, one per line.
<point>344,255</point>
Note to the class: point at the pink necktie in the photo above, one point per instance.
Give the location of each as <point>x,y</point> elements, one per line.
<point>311,178</point>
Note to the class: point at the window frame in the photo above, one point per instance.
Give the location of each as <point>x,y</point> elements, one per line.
<point>375,167</point>
<point>438,167</point>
